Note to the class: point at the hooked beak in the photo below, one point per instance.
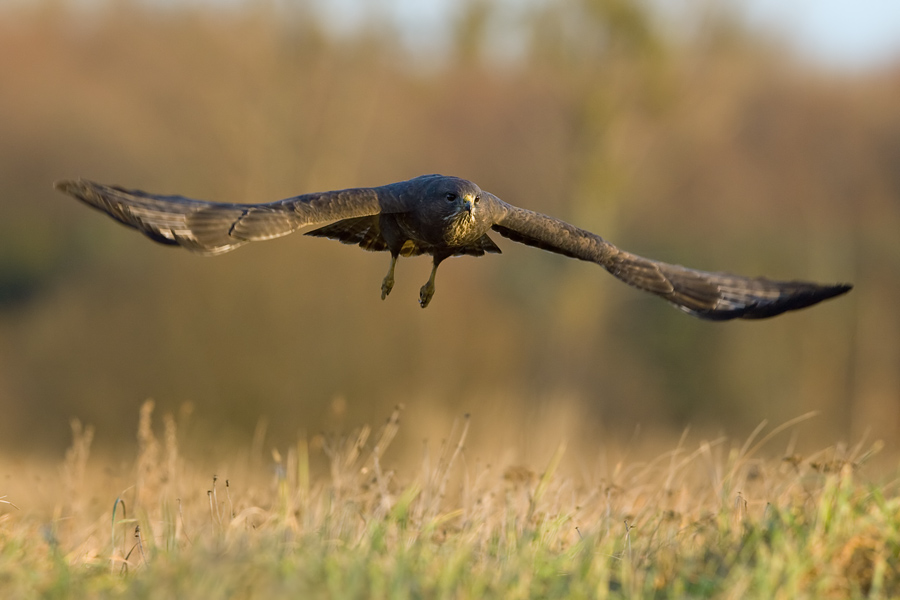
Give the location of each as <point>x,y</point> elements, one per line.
<point>467,206</point>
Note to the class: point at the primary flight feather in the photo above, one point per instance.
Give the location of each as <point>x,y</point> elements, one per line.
<point>441,216</point>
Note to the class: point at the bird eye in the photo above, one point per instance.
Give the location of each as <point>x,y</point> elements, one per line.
<point>477,198</point>
<point>451,196</point>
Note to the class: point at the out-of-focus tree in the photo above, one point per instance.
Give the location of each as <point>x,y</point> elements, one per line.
<point>705,152</point>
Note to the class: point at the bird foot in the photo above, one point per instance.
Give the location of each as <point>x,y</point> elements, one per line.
<point>425,294</point>
<point>386,286</point>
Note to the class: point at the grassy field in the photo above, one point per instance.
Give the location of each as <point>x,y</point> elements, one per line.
<point>712,148</point>
<point>709,520</point>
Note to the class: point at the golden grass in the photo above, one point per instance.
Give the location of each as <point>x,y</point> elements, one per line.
<point>709,520</point>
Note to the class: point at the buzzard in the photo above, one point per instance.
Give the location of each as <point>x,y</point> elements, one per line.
<point>441,216</point>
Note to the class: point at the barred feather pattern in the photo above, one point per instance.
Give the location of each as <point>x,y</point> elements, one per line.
<point>215,227</point>
<point>708,295</point>
<point>427,215</point>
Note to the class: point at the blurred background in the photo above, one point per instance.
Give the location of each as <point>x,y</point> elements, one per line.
<point>715,135</point>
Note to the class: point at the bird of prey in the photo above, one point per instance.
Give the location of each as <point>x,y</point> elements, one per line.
<point>441,216</point>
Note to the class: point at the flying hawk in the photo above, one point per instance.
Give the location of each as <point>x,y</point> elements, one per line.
<point>441,216</point>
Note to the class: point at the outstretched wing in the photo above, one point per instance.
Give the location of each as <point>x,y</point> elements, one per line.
<point>714,296</point>
<point>215,227</point>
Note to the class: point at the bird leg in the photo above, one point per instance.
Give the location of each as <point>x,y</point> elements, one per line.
<point>427,290</point>
<point>388,284</point>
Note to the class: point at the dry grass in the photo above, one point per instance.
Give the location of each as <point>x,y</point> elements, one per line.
<point>713,155</point>
<point>704,520</point>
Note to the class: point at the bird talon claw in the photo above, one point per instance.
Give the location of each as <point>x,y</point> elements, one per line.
<point>444,217</point>
<point>425,295</point>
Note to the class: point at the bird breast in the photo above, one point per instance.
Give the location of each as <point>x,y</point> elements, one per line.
<point>461,228</point>
<point>448,230</point>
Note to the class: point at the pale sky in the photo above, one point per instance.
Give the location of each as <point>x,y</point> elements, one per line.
<point>845,34</point>
<point>842,33</point>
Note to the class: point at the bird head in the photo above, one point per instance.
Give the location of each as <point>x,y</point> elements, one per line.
<point>458,199</point>
<point>449,210</point>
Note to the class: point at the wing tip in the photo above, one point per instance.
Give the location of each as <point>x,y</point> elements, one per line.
<point>68,186</point>
<point>836,289</point>
<point>80,188</point>
<point>808,295</point>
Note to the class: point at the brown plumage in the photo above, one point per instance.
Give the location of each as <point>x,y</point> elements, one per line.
<point>441,216</point>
